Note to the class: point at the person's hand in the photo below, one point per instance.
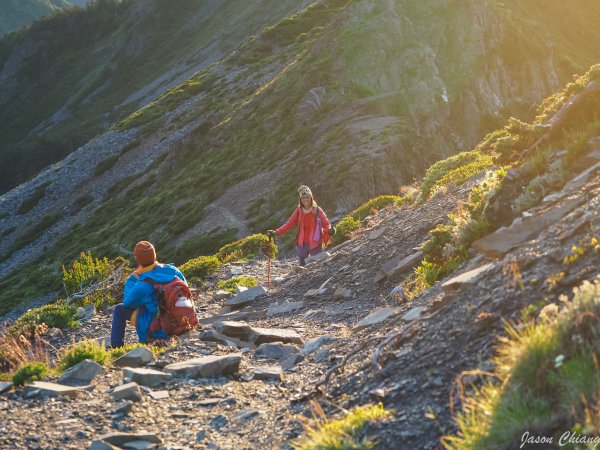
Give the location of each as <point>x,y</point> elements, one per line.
<point>271,234</point>
<point>332,231</point>
<point>136,273</point>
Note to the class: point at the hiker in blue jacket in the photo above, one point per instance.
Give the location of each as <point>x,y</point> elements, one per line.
<point>140,305</point>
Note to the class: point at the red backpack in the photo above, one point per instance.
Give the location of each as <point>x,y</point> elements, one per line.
<point>177,313</point>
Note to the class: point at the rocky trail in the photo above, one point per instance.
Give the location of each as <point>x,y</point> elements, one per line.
<point>245,380</point>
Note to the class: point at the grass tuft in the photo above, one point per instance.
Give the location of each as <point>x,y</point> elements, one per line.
<point>341,434</point>
<point>244,280</point>
<point>547,372</point>
<point>29,373</point>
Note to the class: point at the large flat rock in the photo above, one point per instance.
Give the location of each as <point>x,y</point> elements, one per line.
<point>237,329</point>
<point>146,377</point>
<point>82,372</point>
<point>44,388</point>
<point>265,335</point>
<point>128,391</point>
<point>465,279</point>
<point>246,296</point>
<point>233,316</point>
<point>268,373</point>
<point>137,357</point>
<point>276,350</point>
<point>375,318</point>
<point>397,265</point>
<point>523,229</point>
<point>206,366</point>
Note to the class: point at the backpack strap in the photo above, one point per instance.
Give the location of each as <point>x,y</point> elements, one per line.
<point>297,224</point>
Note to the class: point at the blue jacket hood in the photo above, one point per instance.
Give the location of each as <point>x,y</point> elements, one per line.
<point>162,273</point>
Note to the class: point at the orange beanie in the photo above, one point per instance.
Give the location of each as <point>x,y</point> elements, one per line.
<point>144,253</point>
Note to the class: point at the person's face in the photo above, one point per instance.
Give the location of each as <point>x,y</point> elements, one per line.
<point>306,200</point>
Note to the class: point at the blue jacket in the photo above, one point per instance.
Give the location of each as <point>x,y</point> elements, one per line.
<point>139,294</point>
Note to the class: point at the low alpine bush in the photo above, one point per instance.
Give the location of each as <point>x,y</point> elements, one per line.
<point>247,248</point>
<point>89,349</point>
<point>29,373</point>
<point>55,315</point>
<point>200,267</point>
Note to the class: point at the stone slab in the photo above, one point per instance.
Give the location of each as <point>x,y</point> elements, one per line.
<point>207,366</point>
<point>375,318</point>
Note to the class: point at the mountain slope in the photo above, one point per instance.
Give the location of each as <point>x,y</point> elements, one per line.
<point>103,62</point>
<point>352,98</point>
<point>17,13</point>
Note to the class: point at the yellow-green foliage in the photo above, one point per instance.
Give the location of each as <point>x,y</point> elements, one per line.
<point>552,104</point>
<point>247,248</point>
<point>55,315</point>
<point>456,169</point>
<point>578,251</point>
<point>548,373</point>
<point>87,271</point>
<point>344,228</point>
<point>115,353</point>
<point>200,267</point>
<point>89,349</point>
<point>244,280</point>
<point>448,243</point>
<point>29,373</point>
<point>352,221</point>
<point>341,434</point>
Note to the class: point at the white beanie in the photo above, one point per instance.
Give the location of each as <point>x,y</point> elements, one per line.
<point>304,190</point>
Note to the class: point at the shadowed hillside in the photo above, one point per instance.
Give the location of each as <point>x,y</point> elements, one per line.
<point>73,75</point>
<point>18,13</point>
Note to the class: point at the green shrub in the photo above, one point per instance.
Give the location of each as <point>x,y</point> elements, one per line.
<point>200,267</point>
<point>115,353</point>
<point>352,221</point>
<point>344,230</point>
<point>87,271</point>
<point>247,248</point>
<point>456,169</point>
<point>244,280</point>
<point>29,373</point>
<point>89,349</point>
<point>55,315</point>
<point>341,434</point>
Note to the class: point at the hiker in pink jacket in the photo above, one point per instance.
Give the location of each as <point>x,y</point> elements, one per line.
<point>312,226</point>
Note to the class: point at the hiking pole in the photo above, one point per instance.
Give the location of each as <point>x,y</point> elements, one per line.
<point>269,263</point>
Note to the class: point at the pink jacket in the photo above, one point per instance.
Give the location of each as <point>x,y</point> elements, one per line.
<point>297,219</point>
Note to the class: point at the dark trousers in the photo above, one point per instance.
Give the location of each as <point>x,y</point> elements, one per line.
<point>119,321</point>
<point>303,251</point>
